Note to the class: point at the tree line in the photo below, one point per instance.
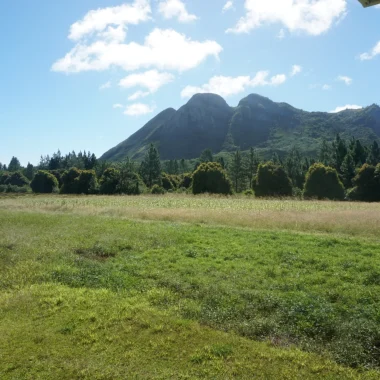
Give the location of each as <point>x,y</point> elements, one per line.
<point>343,170</point>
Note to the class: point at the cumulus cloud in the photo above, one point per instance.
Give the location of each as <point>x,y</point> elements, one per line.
<point>151,80</point>
<point>138,109</point>
<point>163,49</point>
<point>97,21</point>
<point>138,95</point>
<point>281,34</point>
<point>117,105</point>
<point>175,9</point>
<point>312,17</point>
<point>227,86</point>
<point>106,85</point>
<point>372,54</point>
<point>345,79</point>
<point>228,6</point>
<point>296,69</point>
<point>346,107</point>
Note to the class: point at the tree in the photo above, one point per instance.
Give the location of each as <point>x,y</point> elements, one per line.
<point>374,154</point>
<point>109,181</point>
<point>294,166</point>
<point>366,184</point>
<point>151,167</point>
<point>87,182</point>
<point>44,182</point>
<point>252,166</point>
<point>14,165</point>
<point>359,154</point>
<point>237,172</point>
<point>325,153</point>
<point>29,171</point>
<point>206,156</point>
<point>70,180</point>
<point>211,178</point>
<point>348,170</point>
<point>339,152</point>
<point>272,180</point>
<point>322,182</point>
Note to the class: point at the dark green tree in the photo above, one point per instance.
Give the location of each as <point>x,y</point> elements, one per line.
<point>325,153</point>
<point>44,182</point>
<point>150,168</point>
<point>339,152</point>
<point>374,154</point>
<point>272,181</point>
<point>237,172</point>
<point>253,163</point>
<point>87,182</point>
<point>211,178</point>
<point>109,181</point>
<point>206,156</point>
<point>17,179</point>
<point>348,170</point>
<point>322,182</point>
<point>359,154</point>
<point>14,165</point>
<point>70,179</point>
<point>29,171</point>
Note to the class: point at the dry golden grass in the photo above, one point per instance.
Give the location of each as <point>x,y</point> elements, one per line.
<point>288,214</point>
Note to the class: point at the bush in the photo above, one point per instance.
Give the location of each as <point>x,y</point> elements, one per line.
<point>249,193</point>
<point>186,181</point>
<point>70,179</point>
<point>3,178</point>
<point>272,181</point>
<point>15,189</point>
<point>367,184</point>
<point>17,179</point>
<point>109,181</point>
<point>44,182</point>
<point>322,182</point>
<point>87,182</point>
<point>168,182</point>
<point>158,190</point>
<point>210,177</point>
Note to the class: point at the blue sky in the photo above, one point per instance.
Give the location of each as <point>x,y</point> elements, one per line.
<point>84,75</point>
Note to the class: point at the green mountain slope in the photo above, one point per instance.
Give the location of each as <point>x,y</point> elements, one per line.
<point>207,121</point>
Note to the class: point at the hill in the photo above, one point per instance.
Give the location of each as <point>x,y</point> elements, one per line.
<point>207,121</point>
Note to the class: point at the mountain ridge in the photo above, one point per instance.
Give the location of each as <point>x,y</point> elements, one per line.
<point>206,121</point>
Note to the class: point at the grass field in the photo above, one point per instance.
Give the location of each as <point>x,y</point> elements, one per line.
<point>185,287</point>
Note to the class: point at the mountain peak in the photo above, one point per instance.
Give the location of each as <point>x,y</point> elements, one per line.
<point>209,99</point>
<point>256,100</point>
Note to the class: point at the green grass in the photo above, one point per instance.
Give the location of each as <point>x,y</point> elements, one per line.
<point>85,293</point>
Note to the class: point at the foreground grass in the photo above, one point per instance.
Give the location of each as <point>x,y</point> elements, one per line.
<point>360,219</point>
<point>83,296</point>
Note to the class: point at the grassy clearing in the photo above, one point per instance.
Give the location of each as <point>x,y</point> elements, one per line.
<point>83,296</point>
<point>350,218</point>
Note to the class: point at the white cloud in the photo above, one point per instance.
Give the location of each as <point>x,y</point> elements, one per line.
<point>346,107</point>
<point>313,17</point>
<point>117,105</point>
<point>228,6</point>
<point>105,85</point>
<point>372,54</point>
<point>296,69</point>
<point>326,87</point>
<point>151,80</point>
<point>345,79</point>
<point>227,86</point>
<point>138,109</point>
<point>97,21</point>
<point>163,49</point>
<point>281,34</point>
<point>175,8</point>
<point>138,95</point>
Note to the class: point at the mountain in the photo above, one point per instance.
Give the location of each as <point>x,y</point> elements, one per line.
<point>207,121</point>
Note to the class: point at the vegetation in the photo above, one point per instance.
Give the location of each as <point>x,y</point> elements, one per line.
<point>109,296</point>
<point>322,182</point>
<point>44,182</point>
<point>211,178</point>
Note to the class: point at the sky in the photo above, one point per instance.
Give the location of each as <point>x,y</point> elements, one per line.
<point>85,75</point>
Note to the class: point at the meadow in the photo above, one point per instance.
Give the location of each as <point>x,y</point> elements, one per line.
<point>184,287</point>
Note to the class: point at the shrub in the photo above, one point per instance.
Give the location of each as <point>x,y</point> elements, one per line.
<point>249,193</point>
<point>3,178</point>
<point>109,181</point>
<point>17,179</point>
<point>272,181</point>
<point>70,179</point>
<point>168,182</point>
<point>87,182</point>
<point>366,184</point>
<point>211,178</point>
<point>16,189</point>
<point>186,181</point>
<point>44,182</point>
<point>322,182</point>
<point>157,190</point>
